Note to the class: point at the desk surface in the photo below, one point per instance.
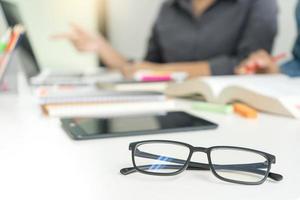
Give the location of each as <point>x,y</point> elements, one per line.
<point>39,161</point>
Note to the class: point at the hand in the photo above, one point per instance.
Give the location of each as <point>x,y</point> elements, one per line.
<point>259,62</point>
<point>81,39</point>
<point>130,70</point>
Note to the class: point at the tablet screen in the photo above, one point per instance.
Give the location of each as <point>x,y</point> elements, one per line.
<point>117,125</point>
<point>136,124</point>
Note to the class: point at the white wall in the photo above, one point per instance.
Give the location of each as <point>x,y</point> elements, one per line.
<point>287,26</point>
<point>130,22</point>
<point>43,18</point>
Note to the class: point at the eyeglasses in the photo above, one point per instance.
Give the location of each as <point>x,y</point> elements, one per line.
<point>230,164</point>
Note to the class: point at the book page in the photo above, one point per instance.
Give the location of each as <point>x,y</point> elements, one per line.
<point>271,85</point>
<point>218,84</point>
<point>274,87</point>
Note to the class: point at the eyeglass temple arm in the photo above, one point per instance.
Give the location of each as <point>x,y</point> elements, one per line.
<point>252,167</point>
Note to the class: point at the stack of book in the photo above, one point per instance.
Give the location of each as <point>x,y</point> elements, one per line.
<point>8,44</point>
<point>88,101</point>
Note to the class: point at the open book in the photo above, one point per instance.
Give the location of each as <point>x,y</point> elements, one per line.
<point>275,94</point>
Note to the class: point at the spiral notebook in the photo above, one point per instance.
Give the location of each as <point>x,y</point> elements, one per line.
<point>73,94</point>
<point>107,109</point>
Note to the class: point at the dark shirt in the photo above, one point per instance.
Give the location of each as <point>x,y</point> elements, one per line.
<point>223,35</point>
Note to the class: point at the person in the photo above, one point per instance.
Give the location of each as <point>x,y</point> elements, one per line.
<point>265,63</point>
<point>199,37</point>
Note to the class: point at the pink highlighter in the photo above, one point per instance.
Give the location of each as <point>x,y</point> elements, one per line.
<point>152,78</point>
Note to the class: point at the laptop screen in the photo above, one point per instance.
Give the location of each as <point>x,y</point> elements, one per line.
<point>25,52</point>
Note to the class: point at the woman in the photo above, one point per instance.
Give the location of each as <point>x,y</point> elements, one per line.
<point>200,37</point>
<point>264,62</point>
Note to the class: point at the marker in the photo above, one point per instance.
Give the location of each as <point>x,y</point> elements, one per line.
<point>156,78</point>
<point>245,111</point>
<point>160,77</point>
<point>15,35</point>
<point>215,108</point>
<point>18,30</point>
<point>5,39</point>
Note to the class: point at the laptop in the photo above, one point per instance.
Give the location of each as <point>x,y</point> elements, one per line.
<point>33,71</point>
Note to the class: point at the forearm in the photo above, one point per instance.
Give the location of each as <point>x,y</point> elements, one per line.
<point>193,69</point>
<point>109,56</point>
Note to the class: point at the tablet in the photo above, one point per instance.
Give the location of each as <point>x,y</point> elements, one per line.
<point>96,128</point>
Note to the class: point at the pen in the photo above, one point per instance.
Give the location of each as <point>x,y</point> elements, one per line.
<point>279,57</point>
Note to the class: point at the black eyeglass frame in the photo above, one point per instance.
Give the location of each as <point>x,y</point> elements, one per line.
<point>271,159</point>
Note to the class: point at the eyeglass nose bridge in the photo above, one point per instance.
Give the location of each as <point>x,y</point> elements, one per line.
<point>200,149</point>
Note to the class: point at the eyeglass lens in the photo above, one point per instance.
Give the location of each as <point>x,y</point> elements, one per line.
<point>161,158</point>
<point>239,165</point>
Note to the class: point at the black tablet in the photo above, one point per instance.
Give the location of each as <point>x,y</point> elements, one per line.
<point>95,128</point>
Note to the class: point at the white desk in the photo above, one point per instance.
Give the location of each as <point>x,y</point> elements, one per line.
<point>38,161</point>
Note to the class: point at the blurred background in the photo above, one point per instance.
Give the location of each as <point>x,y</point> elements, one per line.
<point>127,24</point>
